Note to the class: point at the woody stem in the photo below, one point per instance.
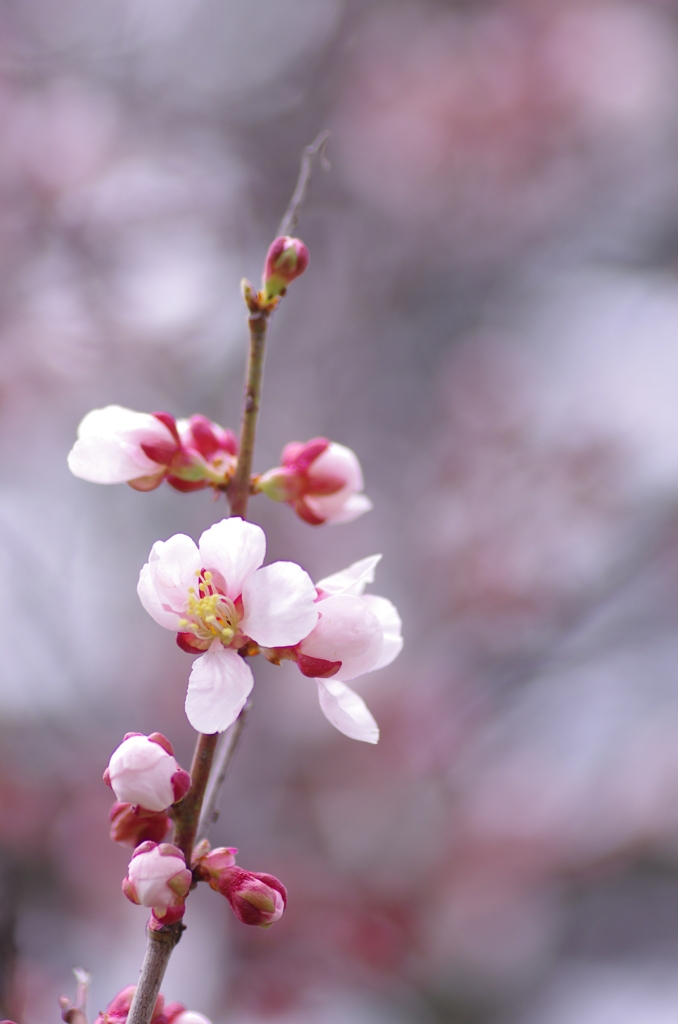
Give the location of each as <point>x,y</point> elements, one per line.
<point>239,490</point>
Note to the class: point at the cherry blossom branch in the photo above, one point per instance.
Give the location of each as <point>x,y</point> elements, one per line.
<point>187,814</point>
<point>220,770</point>
<point>316,150</point>
<point>159,946</point>
<point>187,817</point>
<point>239,490</point>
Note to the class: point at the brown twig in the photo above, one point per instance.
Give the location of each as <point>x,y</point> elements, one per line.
<point>239,490</point>
<point>159,946</point>
<point>76,1013</point>
<point>316,150</point>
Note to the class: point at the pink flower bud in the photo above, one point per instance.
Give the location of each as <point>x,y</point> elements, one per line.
<point>157,877</point>
<point>320,479</point>
<point>117,445</point>
<point>257,899</point>
<point>132,825</point>
<point>143,772</point>
<point>286,259</point>
<point>118,1009</point>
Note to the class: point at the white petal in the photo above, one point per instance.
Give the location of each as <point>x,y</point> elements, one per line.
<point>346,711</point>
<point>347,631</point>
<point>235,549</point>
<point>338,461</point>
<point>391,624</point>
<point>141,773</point>
<point>219,684</point>
<point>279,604</point>
<point>108,449</point>
<point>352,508</point>
<point>165,579</point>
<point>351,580</point>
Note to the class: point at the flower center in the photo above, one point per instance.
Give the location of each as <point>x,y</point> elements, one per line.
<point>211,615</point>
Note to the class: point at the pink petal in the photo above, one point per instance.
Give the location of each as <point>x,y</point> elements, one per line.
<point>347,631</point>
<point>235,549</point>
<point>391,624</point>
<point>219,684</point>
<point>346,711</point>
<point>351,580</point>
<point>108,449</point>
<point>279,605</point>
<point>338,461</point>
<point>165,579</point>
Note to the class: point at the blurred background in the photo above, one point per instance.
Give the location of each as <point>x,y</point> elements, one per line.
<point>490,319</point>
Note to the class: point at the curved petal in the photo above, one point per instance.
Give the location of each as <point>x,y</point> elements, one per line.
<point>219,684</point>
<point>341,462</point>
<point>351,580</point>
<point>165,579</point>
<point>347,631</point>
<point>235,549</point>
<point>391,624</point>
<point>353,508</point>
<point>346,711</point>
<point>108,449</point>
<point>279,605</point>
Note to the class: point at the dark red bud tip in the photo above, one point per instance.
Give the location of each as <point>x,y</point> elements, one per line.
<point>128,735</point>
<point>189,643</point>
<point>181,783</point>
<point>310,452</point>
<point>107,780</point>
<point>167,420</point>
<point>307,514</point>
<point>317,668</point>
<point>162,741</point>
<point>173,915</point>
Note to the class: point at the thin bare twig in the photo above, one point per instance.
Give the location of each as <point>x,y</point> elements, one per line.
<point>222,763</point>
<point>76,1013</point>
<point>316,150</point>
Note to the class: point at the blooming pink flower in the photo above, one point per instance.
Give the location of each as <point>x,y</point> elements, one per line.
<point>286,259</point>
<point>356,633</point>
<point>143,772</point>
<point>131,826</point>
<point>117,445</point>
<point>218,598</point>
<point>157,877</point>
<point>255,898</point>
<point>321,480</point>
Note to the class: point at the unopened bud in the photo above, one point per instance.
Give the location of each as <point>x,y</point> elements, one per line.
<point>286,259</point>
<point>118,1009</point>
<point>157,877</point>
<point>132,825</point>
<point>255,898</point>
<point>320,479</point>
<point>143,772</point>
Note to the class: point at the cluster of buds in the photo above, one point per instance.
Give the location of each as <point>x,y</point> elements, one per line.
<point>146,779</point>
<point>117,445</point>
<point>118,1009</point>
<point>321,480</point>
<point>257,899</point>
